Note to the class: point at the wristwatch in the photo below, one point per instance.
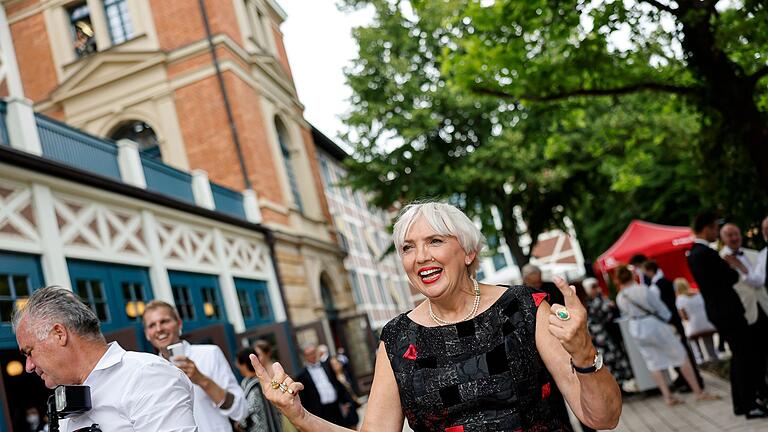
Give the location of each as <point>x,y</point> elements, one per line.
<point>596,365</point>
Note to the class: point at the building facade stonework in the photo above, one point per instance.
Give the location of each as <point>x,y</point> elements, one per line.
<point>214,87</point>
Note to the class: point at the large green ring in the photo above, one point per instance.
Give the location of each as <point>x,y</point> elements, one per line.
<point>563,315</point>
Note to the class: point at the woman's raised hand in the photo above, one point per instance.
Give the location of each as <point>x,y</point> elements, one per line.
<point>280,390</point>
<point>569,325</point>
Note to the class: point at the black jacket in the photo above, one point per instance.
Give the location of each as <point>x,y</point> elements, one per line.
<point>310,398</point>
<point>667,292</point>
<point>716,279</point>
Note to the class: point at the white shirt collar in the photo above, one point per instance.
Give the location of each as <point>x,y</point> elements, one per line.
<point>113,356</point>
<point>659,274</point>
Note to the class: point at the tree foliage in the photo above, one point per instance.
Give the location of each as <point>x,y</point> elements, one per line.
<point>430,120</point>
<point>712,53</point>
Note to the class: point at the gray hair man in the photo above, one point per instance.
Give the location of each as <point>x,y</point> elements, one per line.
<point>532,278</point>
<point>62,342</point>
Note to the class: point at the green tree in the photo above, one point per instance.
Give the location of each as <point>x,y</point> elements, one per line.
<point>416,136</point>
<point>712,53</point>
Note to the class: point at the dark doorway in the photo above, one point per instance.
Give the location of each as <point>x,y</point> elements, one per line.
<point>22,391</point>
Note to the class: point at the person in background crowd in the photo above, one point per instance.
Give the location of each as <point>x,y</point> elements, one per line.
<point>666,291</point>
<point>218,398</point>
<point>341,356</point>
<point>754,298</point>
<point>323,394</point>
<point>601,316</point>
<point>715,279</point>
<point>34,422</point>
<point>425,354</point>
<point>636,265</point>
<point>533,278</point>
<point>348,410</point>
<point>265,353</point>
<point>656,340</point>
<point>761,264</point>
<point>698,329</point>
<point>60,337</point>
<point>262,416</point>
<point>323,353</point>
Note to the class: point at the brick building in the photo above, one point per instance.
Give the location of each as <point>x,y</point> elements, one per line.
<point>204,86</point>
<point>201,87</point>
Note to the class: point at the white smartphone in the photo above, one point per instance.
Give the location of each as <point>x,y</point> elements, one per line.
<point>176,350</point>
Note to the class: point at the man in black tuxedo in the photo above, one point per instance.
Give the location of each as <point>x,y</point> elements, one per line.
<point>323,394</point>
<point>715,279</point>
<point>666,291</point>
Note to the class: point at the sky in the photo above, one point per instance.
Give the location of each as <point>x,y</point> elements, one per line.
<point>318,39</point>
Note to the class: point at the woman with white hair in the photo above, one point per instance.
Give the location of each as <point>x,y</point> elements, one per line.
<point>471,357</point>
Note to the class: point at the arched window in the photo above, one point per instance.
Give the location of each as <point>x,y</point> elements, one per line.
<point>141,133</point>
<point>282,138</point>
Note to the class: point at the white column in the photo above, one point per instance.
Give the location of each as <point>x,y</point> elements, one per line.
<point>129,161</point>
<point>99,23</point>
<point>54,262</point>
<point>22,127</point>
<point>251,206</point>
<point>10,68</point>
<point>201,189</point>
<point>227,284</point>
<point>158,273</point>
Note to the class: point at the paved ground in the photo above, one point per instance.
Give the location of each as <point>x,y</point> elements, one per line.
<point>646,414</point>
<point>650,413</point>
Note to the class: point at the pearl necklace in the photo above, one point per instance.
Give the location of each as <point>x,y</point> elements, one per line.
<point>440,321</point>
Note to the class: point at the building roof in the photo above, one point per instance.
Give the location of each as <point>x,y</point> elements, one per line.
<point>328,145</point>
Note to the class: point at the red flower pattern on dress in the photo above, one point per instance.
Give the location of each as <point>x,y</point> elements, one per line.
<point>410,353</point>
<point>455,429</point>
<point>539,297</point>
<point>546,389</point>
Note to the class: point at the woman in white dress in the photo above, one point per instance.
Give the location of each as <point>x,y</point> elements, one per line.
<point>698,329</point>
<point>656,340</point>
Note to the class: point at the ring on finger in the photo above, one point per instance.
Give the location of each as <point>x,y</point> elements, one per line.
<point>275,384</point>
<point>290,391</point>
<point>283,388</point>
<point>563,314</point>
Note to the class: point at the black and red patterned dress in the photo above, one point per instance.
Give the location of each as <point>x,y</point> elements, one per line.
<point>484,374</point>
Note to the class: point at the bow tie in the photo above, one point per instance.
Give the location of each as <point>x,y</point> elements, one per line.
<point>738,252</point>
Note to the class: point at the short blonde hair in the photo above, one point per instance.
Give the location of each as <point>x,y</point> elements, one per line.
<point>444,219</point>
<point>681,286</point>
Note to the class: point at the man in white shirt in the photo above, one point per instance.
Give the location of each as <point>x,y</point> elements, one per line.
<point>750,287</point>
<point>60,337</point>
<point>761,263</point>
<point>218,396</point>
<point>753,296</point>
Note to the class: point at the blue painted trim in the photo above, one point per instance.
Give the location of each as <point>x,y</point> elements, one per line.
<point>76,148</point>
<point>18,264</point>
<point>252,288</point>
<point>167,180</point>
<point>112,277</point>
<point>4,138</point>
<point>228,201</point>
<point>195,282</point>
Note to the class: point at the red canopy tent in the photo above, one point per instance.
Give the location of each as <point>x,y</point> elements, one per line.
<point>666,244</point>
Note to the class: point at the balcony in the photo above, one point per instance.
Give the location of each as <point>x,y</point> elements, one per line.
<point>101,157</point>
